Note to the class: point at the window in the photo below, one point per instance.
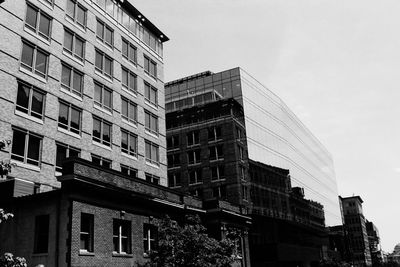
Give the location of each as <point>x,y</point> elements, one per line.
<point>129,80</point>
<point>149,238</point>
<point>74,45</point>
<point>129,51</point>
<point>41,241</point>
<point>104,64</point>
<point>102,131</point>
<point>239,134</point>
<point>244,192</point>
<point>26,147</point>
<point>105,33</point>
<point>30,100</point>
<point>38,21</point>
<point>193,138</point>
<point>129,110</point>
<point>131,172</point>
<point>102,96</point>
<point>242,173</point>
<point>214,133</point>
<point>128,143</point>
<point>195,177</point>
<point>197,192</point>
<point>63,152</point>
<point>150,94</point>
<point>241,152</point>
<point>152,178</point>
<point>122,236</point>
<point>76,12</point>
<point>174,179</point>
<point>69,118</point>
<point>194,156</point>
<point>87,223</point>
<point>219,192</point>
<point>71,79</point>
<point>172,141</point>
<point>34,59</point>
<point>216,152</point>
<point>150,67</point>
<point>152,153</point>
<point>173,160</point>
<point>217,173</point>
<point>151,122</point>
<point>100,161</point>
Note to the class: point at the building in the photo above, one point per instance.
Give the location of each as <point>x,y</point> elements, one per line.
<point>395,255</point>
<point>101,217</point>
<point>374,243</point>
<point>355,226</point>
<point>81,78</point>
<point>274,135</point>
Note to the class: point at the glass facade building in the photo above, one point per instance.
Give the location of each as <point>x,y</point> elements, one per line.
<point>275,136</point>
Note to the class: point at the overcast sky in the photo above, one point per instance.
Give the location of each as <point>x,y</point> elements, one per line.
<point>336,64</point>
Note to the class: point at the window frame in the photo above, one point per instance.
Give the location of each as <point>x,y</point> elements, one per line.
<point>148,90</point>
<point>157,148</point>
<point>72,72</point>
<point>36,29</point>
<point>69,119</point>
<point>101,161</point>
<point>175,142</point>
<point>193,138</point>
<point>151,71</point>
<point>196,158</point>
<point>151,178</point>
<point>72,52</point>
<point>218,156</point>
<point>129,171</point>
<point>121,224</point>
<point>147,238</point>
<point>103,39</point>
<point>129,47</point>
<point>129,75</point>
<point>88,234</point>
<point>100,139</point>
<point>174,180</point>
<point>151,118</point>
<point>68,151</point>
<point>33,68</point>
<point>101,104</point>
<point>130,105</point>
<point>74,17</point>
<point>102,70</point>
<point>127,151</point>
<point>175,160</point>
<point>28,110</point>
<point>197,179</point>
<point>220,173</point>
<point>213,133</point>
<point>24,157</point>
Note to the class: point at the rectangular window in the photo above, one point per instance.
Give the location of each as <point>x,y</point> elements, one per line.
<point>152,178</point>
<point>214,133</point>
<point>151,153</point>
<point>150,94</point>
<point>193,138</point>
<point>63,152</point>
<point>173,160</point>
<point>69,117</point>
<point>128,143</point>
<point>151,122</point>
<point>173,142</point>
<point>102,96</point>
<point>30,100</point>
<point>217,173</point>
<point>243,173</point>
<point>149,238</point>
<point>26,147</point>
<point>41,242</point>
<point>105,33</point>
<point>131,172</point>
<point>102,131</point>
<point>122,236</point>
<point>76,12</point>
<point>38,21</point>
<point>219,192</point>
<point>150,67</point>
<point>100,161</point>
<point>241,152</point>
<point>34,59</point>
<point>128,110</point>
<point>195,177</point>
<point>194,156</point>
<point>216,152</point>
<point>239,133</point>
<point>129,80</point>
<point>129,51</point>
<point>71,79</point>
<point>104,64</point>
<point>74,45</point>
<point>87,225</point>
<point>174,179</point>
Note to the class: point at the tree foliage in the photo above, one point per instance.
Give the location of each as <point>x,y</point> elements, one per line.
<point>8,260</point>
<point>4,216</point>
<point>190,246</point>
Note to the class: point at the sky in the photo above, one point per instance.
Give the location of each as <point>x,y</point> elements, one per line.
<point>336,64</point>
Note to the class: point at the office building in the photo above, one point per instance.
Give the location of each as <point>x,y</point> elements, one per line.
<point>374,243</point>
<point>81,78</point>
<point>355,225</point>
<point>274,135</point>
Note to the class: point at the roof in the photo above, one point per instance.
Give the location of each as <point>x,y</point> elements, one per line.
<point>352,198</point>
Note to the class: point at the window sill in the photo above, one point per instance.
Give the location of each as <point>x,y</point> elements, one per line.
<point>76,25</point>
<point>37,77</point>
<point>218,180</point>
<point>73,58</point>
<point>132,93</point>
<point>85,253</point>
<point>219,159</point>
<point>102,109</point>
<point>62,130</point>
<point>173,149</point>
<point>147,102</point>
<point>26,165</point>
<point>153,164</point>
<point>70,94</point>
<point>109,48</point>
<point>151,133</point>
<point>133,64</point>
<point>133,124</point>
<point>151,77</point>
<point>101,145</point>
<point>101,75</point>
<point>129,156</point>
<point>36,35</point>
<point>47,4</point>
<point>40,254</point>
<point>122,255</point>
<point>26,116</point>
<point>173,167</point>
<point>57,173</point>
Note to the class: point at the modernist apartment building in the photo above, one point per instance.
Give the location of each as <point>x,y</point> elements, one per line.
<point>81,78</point>
<point>355,226</point>
<point>274,135</point>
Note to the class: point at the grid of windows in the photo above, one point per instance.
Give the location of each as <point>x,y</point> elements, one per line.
<point>38,21</point>
<point>69,118</point>
<point>149,238</point>
<point>76,12</point>
<point>195,177</point>
<point>74,45</point>
<point>34,59</point>
<point>128,143</point>
<point>86,232</point>
<point>104,64</point>
<point>129,80</point>
<point>193,138</point>
<point>174,179</point>
<point>131,172</point>
<point>30,100</point>
<point>152,152</point>
<point>129,51</point>
<point>102,96</point>
<point>26,147</point>
<point>151,178</point>
<point>122,236</point>
<point>65,151</point>
<point>128,110</point>
<point>150,67</point>
<point>102,131</point>
<point>71,79</point>
<point>217,173</point>
<point>101,161</point>
<point>216,152</point>
<point>150,94</point>
<point>41,241</point>
<point>173,142</point>
<point>194,156</point>
<point>151,122</point>
<point>105,33</point>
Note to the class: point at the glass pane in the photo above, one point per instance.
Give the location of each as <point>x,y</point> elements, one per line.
<point>109,36</point>
<point>44,26</point>
<point>79,48</point>
<point>125,20</point>
<point>75,119</point>
<point>132,81</point>
<point>18,143</point>
<point>37,104</point>
<point>106,132</point>
<point>108,66</point>
<point>125,48</point>
<point>31,17</point>
<point>107,98</point>
<point>146,64</point>
<point>33,148</point>
<point>132,26</point>
<point>74,153</point>
<point>97,93</point>
<point>68,41</point>
<point>132,54</point>
<point>23,96</point>
<point>27,55</point>
<point>77,85</point>
<point>132,144</point>
<point>124,77</point>
<point>63,115</point>
<point>66,76</point>
<point>109,7</point>
<point>124,141</point>
<point>80,16</point>
<point>41,62</point>
<point>96,128</point>
<point>124,108</point>
<point>70,8</point>
<point>61,155</point>
<point>100,30</point>
<point>132,112</point>
<point>99,61</point>
<point>148,150</point>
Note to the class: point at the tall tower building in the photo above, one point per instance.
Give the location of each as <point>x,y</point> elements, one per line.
<point>81,78</point>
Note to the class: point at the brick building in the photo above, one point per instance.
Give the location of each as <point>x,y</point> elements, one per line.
<point>101,217</point>
<point>81,78</point>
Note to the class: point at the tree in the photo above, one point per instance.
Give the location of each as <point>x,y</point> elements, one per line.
<point>190,246</point>
<point>8,260</point>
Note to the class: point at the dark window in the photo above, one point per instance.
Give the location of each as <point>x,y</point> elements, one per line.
<point>219,192</point>
<point>128,143</point>
<point>174,179</point>
<point>151,122</point>
<point>98,160</point>
<point>197,192</point>
<point>152,178</point>
<point>194,156</point>
<point>63,152</point>
<point>26,147</point>
<point>69,118</point>
<point>195,177</point>
<point>132,172</point>
<point>76,12</point>
<point>173,141</point>
<point>241,152</point>
<point>173,160</point>
<point>34,59</point>
<point>150,94</point>
<point>217,173</point>
<point>151,152</point>
<point>193,138</point>
<point>38,21</point>
<point>104,64</point>
<point>122,236</point>
<point>216,152</point>
<point>74,45</point>
<point>149,238</point>
<point>129,51</point>
<point>30,100</point>
<point>128,110</point>
<point>214,133</point>
<point>41,242</point>
<point>87,224</point>
<point>105,33</point>
<point>150,67</point>
<point>71,79</point>
<point>102,96</point>
<point>102,131</point>
<point>129,80</point>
